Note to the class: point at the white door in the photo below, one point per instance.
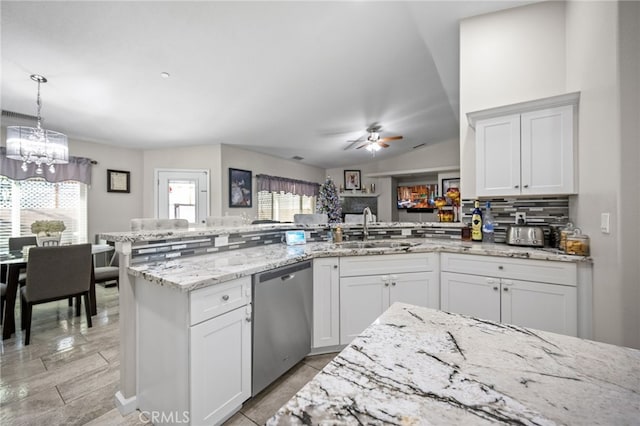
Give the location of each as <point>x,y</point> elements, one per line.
<point>326,302</point>
<point>362,300</point>
<point>548,307</point>
<point>498,156</point>
<point>472,295</point>
<point>547,151</point>
<point>182,194</point>
<point>220,366</point>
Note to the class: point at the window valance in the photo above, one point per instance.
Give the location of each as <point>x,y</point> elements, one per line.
<point>78,169</point>
<point>286,185</point>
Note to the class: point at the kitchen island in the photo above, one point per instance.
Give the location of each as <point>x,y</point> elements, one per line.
<point>416,365</point>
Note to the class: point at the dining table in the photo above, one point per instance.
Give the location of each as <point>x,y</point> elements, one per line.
<point>14,262</point>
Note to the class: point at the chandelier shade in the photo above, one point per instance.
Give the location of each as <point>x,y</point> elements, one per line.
<point>35,144</point>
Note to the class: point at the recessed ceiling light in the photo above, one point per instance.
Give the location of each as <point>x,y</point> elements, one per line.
<point>165,75</point>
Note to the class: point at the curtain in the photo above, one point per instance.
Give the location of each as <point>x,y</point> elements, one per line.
<point>78,169</point>
<point>286,185</point>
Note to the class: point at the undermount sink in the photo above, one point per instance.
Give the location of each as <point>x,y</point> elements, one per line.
<point>374,244</point>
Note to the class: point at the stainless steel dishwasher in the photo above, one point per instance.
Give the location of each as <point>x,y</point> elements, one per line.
<point>282,318</point>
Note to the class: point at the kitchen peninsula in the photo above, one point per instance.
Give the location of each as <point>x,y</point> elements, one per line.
<point>186,286</point>
<point>416,365</point>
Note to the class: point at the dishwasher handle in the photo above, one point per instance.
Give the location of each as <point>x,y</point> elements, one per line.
<point>288,277</point>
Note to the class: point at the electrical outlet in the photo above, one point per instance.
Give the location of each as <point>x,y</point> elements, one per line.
<point>521,218</point>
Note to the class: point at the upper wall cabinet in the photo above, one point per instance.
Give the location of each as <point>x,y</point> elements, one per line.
<point>528,148</point>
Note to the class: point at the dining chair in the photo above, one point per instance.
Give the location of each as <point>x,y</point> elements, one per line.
<point>16,244</point>
<point>104,274</point>
<point>55,273</point>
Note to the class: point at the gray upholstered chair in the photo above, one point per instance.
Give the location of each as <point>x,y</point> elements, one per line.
<point>55,273</point>
<point>105,274</point>
<point>311,219</point>
<point>147,224</point>
<point>15,247</point>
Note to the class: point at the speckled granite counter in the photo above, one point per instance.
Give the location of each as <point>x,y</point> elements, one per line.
<point>190,273</point>
<point>417,366</point>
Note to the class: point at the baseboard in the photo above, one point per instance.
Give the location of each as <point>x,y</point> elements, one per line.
<point>124,405</point>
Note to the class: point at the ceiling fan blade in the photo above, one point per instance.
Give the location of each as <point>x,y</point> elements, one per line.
<point>363,145</point>
<point>384,145</point>
<point>390,138</point>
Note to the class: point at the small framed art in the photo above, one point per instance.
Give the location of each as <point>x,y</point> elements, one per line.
<point>118,181</point>
<point>352,179</point>
<point>239,188</point>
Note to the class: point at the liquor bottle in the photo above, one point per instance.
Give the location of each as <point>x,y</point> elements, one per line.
<point>476,222</point>
<point>487,225</point>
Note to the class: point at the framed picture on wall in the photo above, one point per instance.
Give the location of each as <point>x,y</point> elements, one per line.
<point>239,188</point>
<point>118,181</point>
<point>352,179</point>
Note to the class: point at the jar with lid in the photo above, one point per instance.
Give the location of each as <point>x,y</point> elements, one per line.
<point>577,243</point>
<point>564,233</point>
<point>337,235</point>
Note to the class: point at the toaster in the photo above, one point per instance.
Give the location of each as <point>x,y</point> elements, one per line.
<point>523,235</point>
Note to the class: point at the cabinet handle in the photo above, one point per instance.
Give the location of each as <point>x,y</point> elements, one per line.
<point>526,186</point>
<point>248,319</point>
<point>225,297</point>
<point>495,288</point>
<point>393,284</point>
<point>517,186</point>
<point>335,266</point>
<point>506,289</point>
<point>501,267</point>
<point>386,284</point>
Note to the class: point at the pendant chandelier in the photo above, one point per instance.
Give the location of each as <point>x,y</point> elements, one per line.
<point>35,144</point>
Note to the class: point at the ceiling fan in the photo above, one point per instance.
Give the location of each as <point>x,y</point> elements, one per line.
<point>373,142</point>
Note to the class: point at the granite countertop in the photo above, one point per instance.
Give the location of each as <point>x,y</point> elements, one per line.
<point>190,273</point>
<point>416,366</point>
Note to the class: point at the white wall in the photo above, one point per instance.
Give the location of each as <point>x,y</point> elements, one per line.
<point>110,211</point>
<point>566,47</point>
<point>237,158</point>
<point>507,57</point>
<point>439,154</point>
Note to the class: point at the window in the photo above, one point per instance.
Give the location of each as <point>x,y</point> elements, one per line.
<point>25,201</point>
<point>281,207</point>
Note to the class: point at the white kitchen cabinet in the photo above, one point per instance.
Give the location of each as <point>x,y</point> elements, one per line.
<point>220,366</point>
<point>529,153</point>
<point>505,297</point>
<point>364,297</point>
<point>194,351</point>
<point>326,302</point>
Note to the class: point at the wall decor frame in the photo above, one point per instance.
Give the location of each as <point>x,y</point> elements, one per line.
<point>118,181</point>
<point>352,179</point>
<point>240,194</point>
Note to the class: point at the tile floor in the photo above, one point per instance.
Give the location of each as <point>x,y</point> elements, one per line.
<point>69,373</point>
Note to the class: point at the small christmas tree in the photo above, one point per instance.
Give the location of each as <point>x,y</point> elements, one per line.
<point>329,202</point>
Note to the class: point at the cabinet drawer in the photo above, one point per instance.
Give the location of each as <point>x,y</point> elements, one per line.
<point>388,264</point>
<point>563,273</point>
<point>212,301</point>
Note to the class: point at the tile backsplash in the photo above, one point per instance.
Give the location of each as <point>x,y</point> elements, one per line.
<point>539,211</point>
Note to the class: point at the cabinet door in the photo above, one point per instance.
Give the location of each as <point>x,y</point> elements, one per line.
<point>548,151</point>
<point>472,295</point>
<point>326,302</point>
<point>417,288</point>
<point>548,307</point>
<point>362,300</point>
<point>498,156</point>
<point>220,366</point>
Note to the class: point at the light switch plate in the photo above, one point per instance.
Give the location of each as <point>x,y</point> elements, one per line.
<point>605,222</point>
<point>521,218</point>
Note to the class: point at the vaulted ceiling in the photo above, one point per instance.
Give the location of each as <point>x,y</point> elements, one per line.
<point>283,78</point>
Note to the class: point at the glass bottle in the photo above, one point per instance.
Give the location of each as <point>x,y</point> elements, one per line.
<point>487,225</point>
<point>476,222</point>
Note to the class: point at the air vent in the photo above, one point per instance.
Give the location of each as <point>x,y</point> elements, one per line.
<point>418,146</point>
<point>297,157</point>
<point>18,116</point>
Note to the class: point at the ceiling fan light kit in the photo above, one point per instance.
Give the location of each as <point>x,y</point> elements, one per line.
<point>374,142</point>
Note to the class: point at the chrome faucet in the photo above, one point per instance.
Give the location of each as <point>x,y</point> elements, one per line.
<point>365,232</point>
